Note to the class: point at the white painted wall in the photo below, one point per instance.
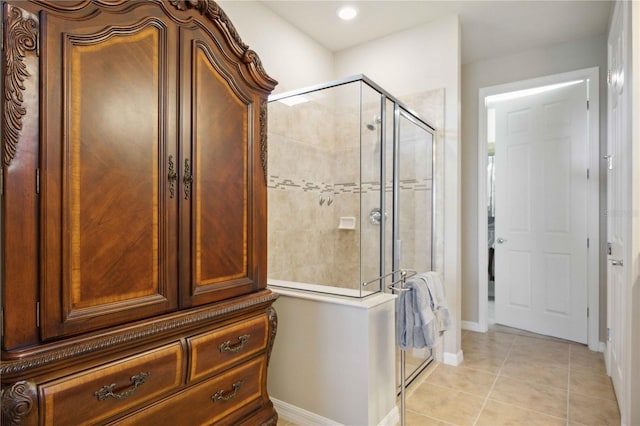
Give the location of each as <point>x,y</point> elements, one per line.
<point>425,58</point>
<point>530,64</point>
<point>288,55</point>
<point>338,364</point>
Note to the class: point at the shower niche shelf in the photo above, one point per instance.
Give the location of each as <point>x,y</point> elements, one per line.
<point>347,223</point>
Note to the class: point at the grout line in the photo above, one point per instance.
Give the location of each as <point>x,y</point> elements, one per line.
<point>484,403</point>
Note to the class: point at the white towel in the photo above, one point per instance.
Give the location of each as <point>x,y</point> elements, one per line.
<point>438,301</point>
<point>415,325</point>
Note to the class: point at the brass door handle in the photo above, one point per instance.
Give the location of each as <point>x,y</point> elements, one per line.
<point>187,179</point>
<point>172,176</point>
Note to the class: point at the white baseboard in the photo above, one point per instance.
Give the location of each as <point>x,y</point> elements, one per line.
<point>471,326</point>
<point>453,359</point>
<point>391,419</point>
<point>602,346</point>
<point>300,416</point>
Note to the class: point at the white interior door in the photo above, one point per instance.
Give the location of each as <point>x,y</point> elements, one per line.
<point>541,163</point>
<point>618,197</point>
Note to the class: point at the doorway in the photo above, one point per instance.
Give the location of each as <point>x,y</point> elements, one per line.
<point>490,242</point>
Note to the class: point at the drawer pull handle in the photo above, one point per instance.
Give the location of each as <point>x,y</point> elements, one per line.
<point>220,395</point>
<point>226,346</point>
<point>107,391</point>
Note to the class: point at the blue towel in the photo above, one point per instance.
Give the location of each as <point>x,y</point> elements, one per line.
<point>416,325</point>
<point>438,302</point>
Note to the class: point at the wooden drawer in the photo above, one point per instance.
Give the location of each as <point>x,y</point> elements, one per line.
<point>213,352</point>
<point>219,400</point>
<point>99,393</point>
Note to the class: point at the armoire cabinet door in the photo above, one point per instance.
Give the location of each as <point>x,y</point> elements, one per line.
<point>108,194</point>
<point>216,202</point>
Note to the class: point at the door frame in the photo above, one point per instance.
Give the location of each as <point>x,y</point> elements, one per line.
<point>593,191</point>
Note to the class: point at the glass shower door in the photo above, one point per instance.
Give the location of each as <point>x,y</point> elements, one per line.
<point>413,212</point>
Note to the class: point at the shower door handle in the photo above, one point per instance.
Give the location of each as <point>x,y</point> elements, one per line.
<point>501,240</point>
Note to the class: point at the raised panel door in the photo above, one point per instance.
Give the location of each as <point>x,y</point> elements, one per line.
<point>217,197</point>
<point>109,221</point>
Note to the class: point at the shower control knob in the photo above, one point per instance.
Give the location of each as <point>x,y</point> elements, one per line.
<point>375,216</point>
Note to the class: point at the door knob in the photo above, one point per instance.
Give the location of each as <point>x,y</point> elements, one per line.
<point>501,240</point>
<point>617,262</point>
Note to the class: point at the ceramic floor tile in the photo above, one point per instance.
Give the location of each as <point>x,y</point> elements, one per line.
<point>496,413</point>
<point>528,395</point>
<point>463,379</point>
<point>416,419</point>
<point>541,358</point>
<point>593,411</point>
<point>585,359</point>
<point>486,347</point>
<point>445,404</point>
<point>586,382</point>
<point>533,376</point>
<point>483,361</point>
<point>537,342</point>
<point>536,372</point>
<point>488,339</point>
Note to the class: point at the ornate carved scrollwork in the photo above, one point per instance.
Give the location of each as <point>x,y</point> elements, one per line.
<point>273,330</point>
<point>21,37</point>
<point>211,10</point>
<point>17,402</point>
<point>263,140</point>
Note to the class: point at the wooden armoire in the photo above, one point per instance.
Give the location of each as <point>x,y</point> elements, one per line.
<point>133,221</point>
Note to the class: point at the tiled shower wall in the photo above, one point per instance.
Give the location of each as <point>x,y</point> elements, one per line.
<point>315,152</point>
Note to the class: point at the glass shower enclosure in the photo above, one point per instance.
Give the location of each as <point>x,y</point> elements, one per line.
<point>350,192</point>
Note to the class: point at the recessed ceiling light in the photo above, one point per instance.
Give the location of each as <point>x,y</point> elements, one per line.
<point>347,13</point>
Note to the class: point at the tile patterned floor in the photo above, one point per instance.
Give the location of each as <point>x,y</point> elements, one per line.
<point>514,379</point>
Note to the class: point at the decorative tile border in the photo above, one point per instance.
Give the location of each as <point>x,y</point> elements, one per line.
<point>285,184</point>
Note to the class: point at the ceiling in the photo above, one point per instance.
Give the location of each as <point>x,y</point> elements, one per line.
<point>489,28</point>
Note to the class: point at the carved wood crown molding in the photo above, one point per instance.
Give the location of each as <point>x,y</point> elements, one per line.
<point>10,367</point>
<point>20,38</point>
<point>212,10</point>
